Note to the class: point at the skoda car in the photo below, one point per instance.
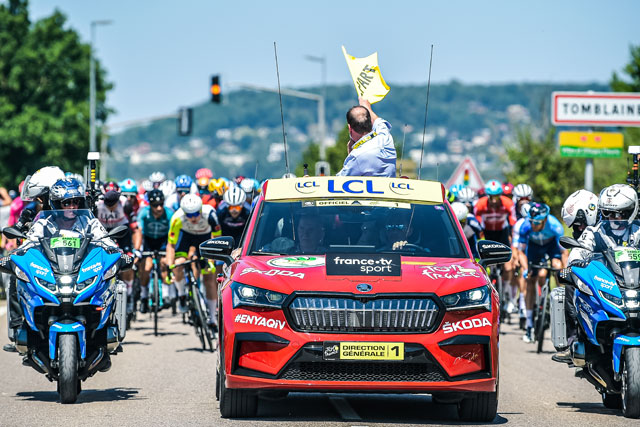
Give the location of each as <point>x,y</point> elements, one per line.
<point>358,284</point>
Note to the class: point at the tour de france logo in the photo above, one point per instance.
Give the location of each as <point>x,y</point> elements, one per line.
<point>297,261</point>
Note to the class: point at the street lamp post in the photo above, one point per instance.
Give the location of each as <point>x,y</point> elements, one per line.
<point>92,87</point>
<point>321,104</point>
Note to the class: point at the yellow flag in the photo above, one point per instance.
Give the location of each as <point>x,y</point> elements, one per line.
<point>366,76</point>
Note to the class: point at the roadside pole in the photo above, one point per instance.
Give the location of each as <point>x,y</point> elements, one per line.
<point>588,174</point>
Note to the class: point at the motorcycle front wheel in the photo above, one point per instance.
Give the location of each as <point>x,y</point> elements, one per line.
<point>631,383</point>
<point>68,368</point>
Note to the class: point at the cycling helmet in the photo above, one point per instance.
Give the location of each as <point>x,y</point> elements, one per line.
<point>129,187</point>
<point>110,186</point>
<point>247,185</point>
<point>204,173</point>
<point>155,197</point>
<point>168,187</point>
<point>147,185</point>
<point>235,196</point>
<point>37,185</point>
<point>581,206</point>
<point>157,177</point>
<point>619,204</point>
<point>66,189</point>
<point>538,211</point>
<point>493,188</point>
<point>191,204</point>
<point>238,179</point>
<point>522,191</point>
<point>466,195</point>
<point>183,183</point>
<point>460,211</point>
<point>203,183</point>
<point>507,189</point>
<point>453,192</point>
<point>524,210</point>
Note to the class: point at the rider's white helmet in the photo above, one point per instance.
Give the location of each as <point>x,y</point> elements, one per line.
<point>466,195</point>
<point>191,203</point>
<point>460,211</point>
<point>618,203</point>
<point>38,184</point>
<point>235,196</point>
<point>157,177</point>
<point>168,187</point>
<point>582,206</point>
<point>522,191</point>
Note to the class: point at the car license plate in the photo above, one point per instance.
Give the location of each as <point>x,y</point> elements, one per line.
<point>333,350</point>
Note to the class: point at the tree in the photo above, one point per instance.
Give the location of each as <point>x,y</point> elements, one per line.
<point>335,154</point>
<point>44,94</point>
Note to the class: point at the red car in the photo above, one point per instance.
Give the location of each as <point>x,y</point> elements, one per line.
<point>359,284</point>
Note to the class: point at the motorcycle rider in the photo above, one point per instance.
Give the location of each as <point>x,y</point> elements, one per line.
<point>579,211</point>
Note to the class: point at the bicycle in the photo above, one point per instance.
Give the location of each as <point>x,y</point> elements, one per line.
<point>495,276</point>
<point>197,312</point>
<point>155,287</point>
<point>541,309</point>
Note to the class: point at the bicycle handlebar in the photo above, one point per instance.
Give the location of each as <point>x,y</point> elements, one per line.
<point>195,259</point>
<point>544,266</point>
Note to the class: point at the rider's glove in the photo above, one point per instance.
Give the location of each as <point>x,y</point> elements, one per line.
<point>525,274</point>
<point>582,263</point>
<point>137,253</point>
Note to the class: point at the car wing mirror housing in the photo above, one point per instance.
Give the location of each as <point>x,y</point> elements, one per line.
<point>218,248</point>
<point>492,253</point>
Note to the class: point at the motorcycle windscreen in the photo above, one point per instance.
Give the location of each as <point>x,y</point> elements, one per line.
<point>628,260</point>
<point>66,237</point>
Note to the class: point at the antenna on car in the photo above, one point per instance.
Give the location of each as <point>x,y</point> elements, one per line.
<point>404,135</point>
<point>255,179</point>
<point>426,110</point>
<point>284,134</point>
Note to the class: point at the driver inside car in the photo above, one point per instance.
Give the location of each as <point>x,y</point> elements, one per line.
<point>309,237</point>
<point>397,233</point>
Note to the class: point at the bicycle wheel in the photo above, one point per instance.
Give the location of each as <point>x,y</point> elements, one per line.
<point>501,305</point>
<point>193,315</point>
<point>201,309</point>
<point>156,300</point>
<point>542,313</point>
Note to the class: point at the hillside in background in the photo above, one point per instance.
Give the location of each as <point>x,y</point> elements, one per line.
<point>246,128</point>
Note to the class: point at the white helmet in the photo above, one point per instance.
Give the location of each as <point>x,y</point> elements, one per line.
<point>147,185</point>
<point>460,210</point>
<point>38,184</point>
<point>247,185</point>
<point>581,206</point>
<point>234,196</point>
<point>619,199</point>
<point>157,177</point>
<point>522,190</point>
<point>466,195</point>
<point>191,203</point>
<point>524,210</point>
<point>168,187</point>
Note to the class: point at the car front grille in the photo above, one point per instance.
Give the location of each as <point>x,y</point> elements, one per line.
<point>363,371</point>
<point>350,315</point>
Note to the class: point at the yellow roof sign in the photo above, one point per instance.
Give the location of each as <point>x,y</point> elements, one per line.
<point>360,187</point>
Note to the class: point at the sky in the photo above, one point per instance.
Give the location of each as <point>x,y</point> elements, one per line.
<point>161,54</point>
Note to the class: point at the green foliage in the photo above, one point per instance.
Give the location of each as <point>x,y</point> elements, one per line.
<point>537,162</point>
<point>44,94</point>
<point>335,154</point>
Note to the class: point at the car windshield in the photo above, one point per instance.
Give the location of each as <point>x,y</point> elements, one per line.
<point>362,226</point>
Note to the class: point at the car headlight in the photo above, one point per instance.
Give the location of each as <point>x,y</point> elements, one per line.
<point>86,283</point>
<point>613,300</point>
<point>255,297</point>
<point>110,272</point>
<point>468,300</point>
<point>21,274</point>
<point>583,287</point>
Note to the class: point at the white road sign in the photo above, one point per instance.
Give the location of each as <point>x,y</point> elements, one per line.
<point>595,109</point>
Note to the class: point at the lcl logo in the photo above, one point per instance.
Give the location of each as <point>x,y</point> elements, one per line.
<point>307,187</point>
<point>402,188</point>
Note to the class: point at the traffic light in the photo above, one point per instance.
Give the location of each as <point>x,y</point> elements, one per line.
<point>215,89</point>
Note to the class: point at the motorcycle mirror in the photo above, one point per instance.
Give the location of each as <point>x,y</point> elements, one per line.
<point>118,232</point>
<point>13,233</point>
<point>570,243</point>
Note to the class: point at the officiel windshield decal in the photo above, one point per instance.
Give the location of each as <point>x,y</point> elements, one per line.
<point>297,262</point>
<point>464,325</point>
<point>249,319</point>
<point>273,272</point>
<point>449,272</point>
<point>363,265</point>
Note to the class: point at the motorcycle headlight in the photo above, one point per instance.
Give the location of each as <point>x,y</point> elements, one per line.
<point>255,297</point>
<point>21,274</point>
<point>86,283</point>
<point>583,288</point>
<point>51,286</point>
<point>468,300</point>
<point>613,300</point>
<point>110,272</point>
<point>631,299</point>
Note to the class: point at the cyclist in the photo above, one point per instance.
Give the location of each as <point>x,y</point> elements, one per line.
<point>233,213</point>
<point>468,197</point>
<point>470,225</point>
<point>535,238</point>
<point>496,214</point>
<point>191,225</point>
<point>250,187</point>
<point>522,194</point>
<point>157,178</point>
<point>579,211</point>
<point>507,189</point>
<point>217,187</point>
<point>153,226</point>
<point>204,173</point>
<point>183,186</point>
<point>129,191</point>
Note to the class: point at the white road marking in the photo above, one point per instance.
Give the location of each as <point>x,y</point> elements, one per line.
<point>344,409</point>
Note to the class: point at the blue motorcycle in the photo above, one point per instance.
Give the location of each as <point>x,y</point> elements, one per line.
<point>606,297</point>
<point>74,308</point>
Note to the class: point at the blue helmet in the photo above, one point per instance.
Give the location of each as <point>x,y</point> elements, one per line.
<point>493,188</point>
<point>128,186</point>
<point>183,183</point>
<point>453,192</point>
<point>64,190</point>
<point>538,211</point>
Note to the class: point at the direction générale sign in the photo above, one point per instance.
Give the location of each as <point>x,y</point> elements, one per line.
<point>590,144</point>
<point>595,109</point>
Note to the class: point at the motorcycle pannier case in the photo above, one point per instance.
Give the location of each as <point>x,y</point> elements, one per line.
<point>558,322</point>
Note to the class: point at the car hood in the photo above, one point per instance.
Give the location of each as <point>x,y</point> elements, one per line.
<point>441,276</point>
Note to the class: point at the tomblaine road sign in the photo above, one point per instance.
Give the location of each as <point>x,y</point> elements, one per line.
<point>595,109</point>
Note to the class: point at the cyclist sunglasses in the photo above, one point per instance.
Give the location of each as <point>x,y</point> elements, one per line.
<point>538,221</point>
<point>193,215</point>
<point>235,208</point>
<point>156,205</point>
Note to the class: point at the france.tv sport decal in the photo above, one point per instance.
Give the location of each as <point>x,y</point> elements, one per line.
<point>363,265</point>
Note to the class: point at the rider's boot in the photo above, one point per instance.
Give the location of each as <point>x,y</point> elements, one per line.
<point>144,305</point>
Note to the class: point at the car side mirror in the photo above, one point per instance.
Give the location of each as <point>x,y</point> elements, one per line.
<point>118,232</point>
<point>218,248</point>
<point>13,233</point>
<point>492,253</point>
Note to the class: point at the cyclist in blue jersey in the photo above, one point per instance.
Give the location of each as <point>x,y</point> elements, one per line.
<point>153,223</point>
<point>535,237</point>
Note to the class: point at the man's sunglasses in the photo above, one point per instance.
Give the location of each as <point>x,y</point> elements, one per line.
<point>157,205</point>
<point>538,221</point>
<point>235,208</point>
<point>70,202</point>
<point>193,215</point>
